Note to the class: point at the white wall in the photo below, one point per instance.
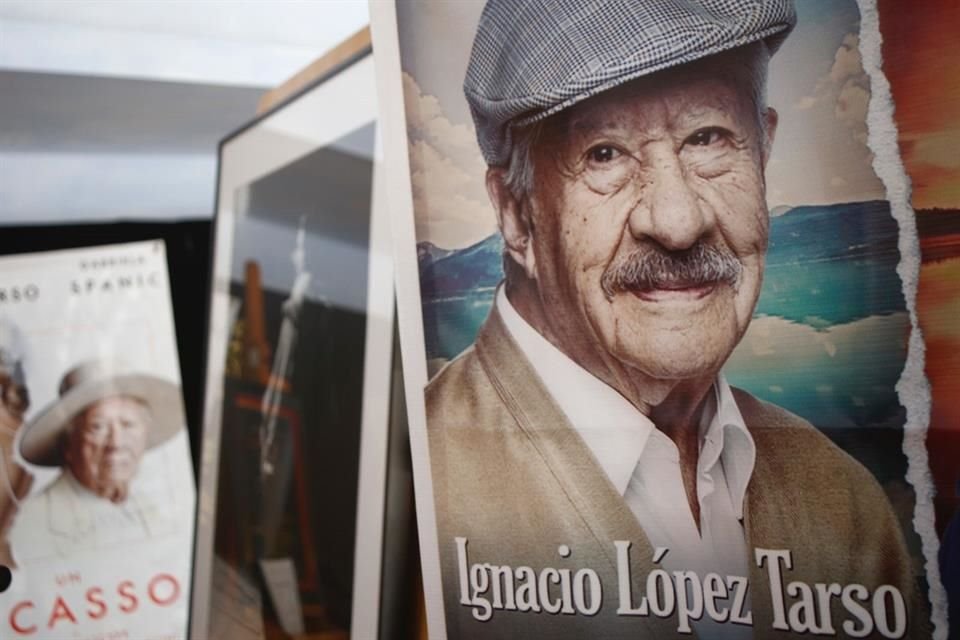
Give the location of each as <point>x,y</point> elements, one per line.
<point>113,110</point>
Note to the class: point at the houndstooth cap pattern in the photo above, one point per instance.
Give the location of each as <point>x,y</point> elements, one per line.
<point>533,58</point>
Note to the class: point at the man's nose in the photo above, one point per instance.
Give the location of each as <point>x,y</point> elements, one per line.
<point>113,432</point>
<point>670,212</point>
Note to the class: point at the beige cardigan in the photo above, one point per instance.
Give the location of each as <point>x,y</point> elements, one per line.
<point>512,476</point>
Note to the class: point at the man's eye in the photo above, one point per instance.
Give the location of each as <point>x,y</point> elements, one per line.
<point>706,137</point>
<point>603,153</point>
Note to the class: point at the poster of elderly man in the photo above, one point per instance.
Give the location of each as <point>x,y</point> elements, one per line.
<point>664,378</point>
<point>100,533</point>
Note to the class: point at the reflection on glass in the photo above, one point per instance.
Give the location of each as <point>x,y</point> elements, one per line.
<point>293,383</point>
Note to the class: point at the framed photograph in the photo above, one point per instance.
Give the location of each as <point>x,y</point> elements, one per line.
<point>298,378</point>
<point>662,334</point>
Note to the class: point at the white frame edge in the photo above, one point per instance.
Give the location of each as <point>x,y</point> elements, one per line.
<point>375,419</point>
<point>239,166</point>
<point>386,44</point>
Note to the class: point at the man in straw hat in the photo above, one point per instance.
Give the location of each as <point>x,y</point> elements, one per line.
<point>105,419</point>
<point>15,482</point>
<point>589,426</point>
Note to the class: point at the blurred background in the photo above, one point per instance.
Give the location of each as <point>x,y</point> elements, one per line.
<point>113,110</point>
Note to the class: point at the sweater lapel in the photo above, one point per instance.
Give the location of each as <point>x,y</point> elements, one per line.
<point>570,462</point>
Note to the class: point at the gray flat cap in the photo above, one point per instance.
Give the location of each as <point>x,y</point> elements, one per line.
<point>533,58</point>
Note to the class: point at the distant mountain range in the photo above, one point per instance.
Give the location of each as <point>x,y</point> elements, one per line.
<point>462,271</point>
<point>428,253</point>
<point>839,231</point>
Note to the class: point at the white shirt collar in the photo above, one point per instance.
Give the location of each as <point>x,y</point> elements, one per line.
<point>614,430</point>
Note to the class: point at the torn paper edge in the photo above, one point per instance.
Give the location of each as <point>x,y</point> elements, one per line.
<point>913,388</point>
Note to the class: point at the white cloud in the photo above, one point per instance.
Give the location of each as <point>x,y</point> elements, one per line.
<point>846,61</point>
<point>846,86</point>
<point>449,197</point>
<point>814,144</point>
<point>852,87</point>
<point>446,214</point>
<point>427,121</point>
<point>851,109</point>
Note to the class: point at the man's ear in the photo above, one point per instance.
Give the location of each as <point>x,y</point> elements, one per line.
<point>770,120</point>
<point>514,224</point>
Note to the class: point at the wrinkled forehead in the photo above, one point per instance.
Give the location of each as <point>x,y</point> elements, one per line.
<point>680,96</point>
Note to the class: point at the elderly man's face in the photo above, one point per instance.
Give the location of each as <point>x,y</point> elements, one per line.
<point>649,224</point>
<point>106,444</point>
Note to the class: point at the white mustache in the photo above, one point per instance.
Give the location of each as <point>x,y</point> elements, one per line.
<point>653,268</point>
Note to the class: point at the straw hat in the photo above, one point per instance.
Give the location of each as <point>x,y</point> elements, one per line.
<point>95,380</point>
